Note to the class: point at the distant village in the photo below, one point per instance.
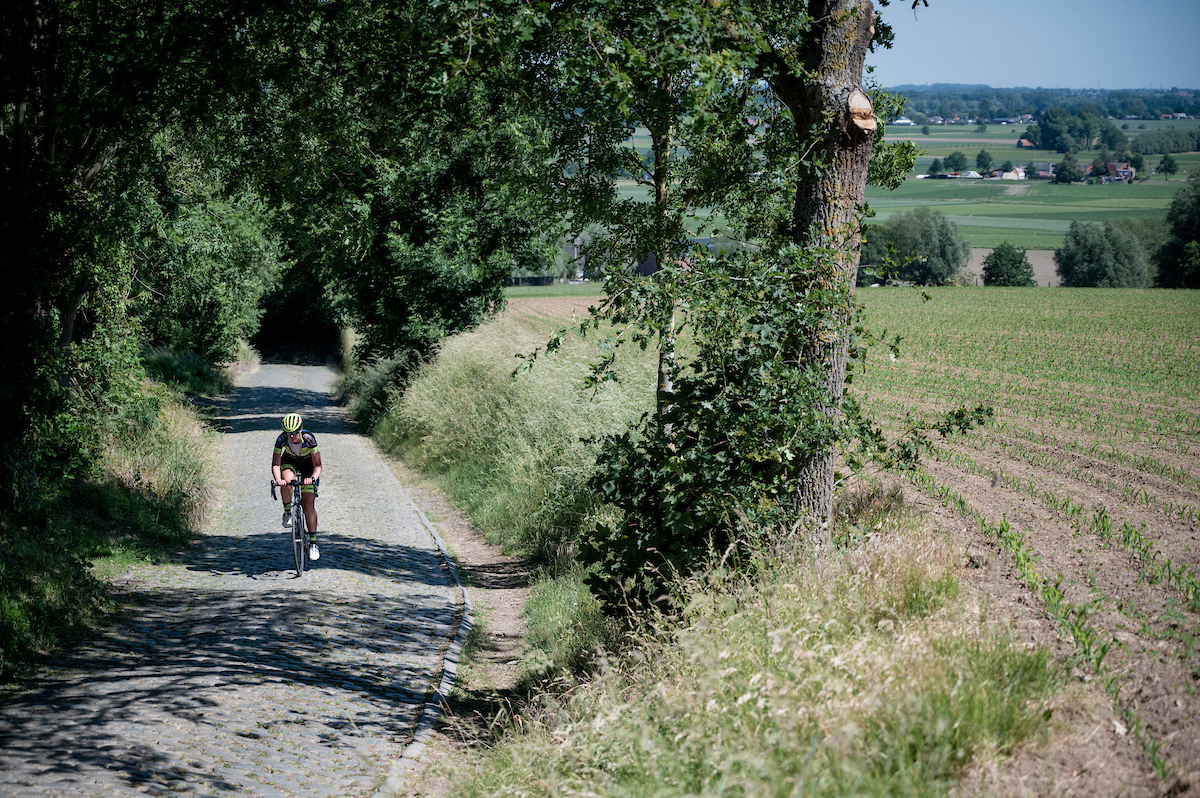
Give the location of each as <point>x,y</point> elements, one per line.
<point>1114,171</point>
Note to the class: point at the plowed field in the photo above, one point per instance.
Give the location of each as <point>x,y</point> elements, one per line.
<point>1078,506</point>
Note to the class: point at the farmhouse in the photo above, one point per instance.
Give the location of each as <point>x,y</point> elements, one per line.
<point>1043,170</point>
<point>1121,171</point>
<point>1024,144</point>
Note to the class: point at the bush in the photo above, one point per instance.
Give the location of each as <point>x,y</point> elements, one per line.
<point>928,247</point>
<point>1179,258</point>
<point>1008,266</point>
<point>1106,257</point>
<point>143,500</point>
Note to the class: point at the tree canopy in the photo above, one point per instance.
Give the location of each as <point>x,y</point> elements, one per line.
<point>926,247</point>
<point>1080,128</point>
<point>1068,170</point>
<point>1007,266</point>
<point>1179,259</point>
<point>189,172</point>
<point>1100,257</point>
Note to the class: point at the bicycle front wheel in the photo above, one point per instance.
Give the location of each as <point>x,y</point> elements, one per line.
<point>299,551</point>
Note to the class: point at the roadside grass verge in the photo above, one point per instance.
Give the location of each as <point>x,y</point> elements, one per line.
<point>515,453</point>
<point>849,670</point>
<point>192,374</point>
<point>142,503</point>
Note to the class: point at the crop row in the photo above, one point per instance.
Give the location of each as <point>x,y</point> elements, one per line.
<point>1134,494</point>
<point>1172,427</point>
<point>1154,566</point>
<point>1091,644</point>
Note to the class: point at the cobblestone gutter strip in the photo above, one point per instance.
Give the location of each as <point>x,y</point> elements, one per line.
<point>393,785</point>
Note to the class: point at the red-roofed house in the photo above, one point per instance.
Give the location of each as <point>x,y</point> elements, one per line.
<point>1124,171</point>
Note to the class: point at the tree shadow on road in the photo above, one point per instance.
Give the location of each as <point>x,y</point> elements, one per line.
<point>257,408</point>
<point>268,556</point>
<point>230,675</point>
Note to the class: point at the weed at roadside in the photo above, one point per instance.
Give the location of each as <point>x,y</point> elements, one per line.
<point>143,503</point>
<point>811,673</point>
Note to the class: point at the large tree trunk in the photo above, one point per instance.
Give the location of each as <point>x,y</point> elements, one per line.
<point>827,200</point>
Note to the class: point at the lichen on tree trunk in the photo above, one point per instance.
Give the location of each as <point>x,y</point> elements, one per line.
<point>833,154</point>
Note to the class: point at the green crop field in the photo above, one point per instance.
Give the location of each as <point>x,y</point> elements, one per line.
<point>1088,475</point>
<point>1029,214</point>
<point>1074,511</point>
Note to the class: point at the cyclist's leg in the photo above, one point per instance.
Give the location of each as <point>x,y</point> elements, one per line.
<point>287,472</point>
<point>309,503</point>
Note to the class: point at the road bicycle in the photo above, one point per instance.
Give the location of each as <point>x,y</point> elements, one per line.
<point>299,525</point>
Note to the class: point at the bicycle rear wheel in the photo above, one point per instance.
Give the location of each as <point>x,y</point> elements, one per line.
<point>299,533</point>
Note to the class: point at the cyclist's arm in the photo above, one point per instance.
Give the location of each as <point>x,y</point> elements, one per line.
<point>316,474</point>
<point>275,460</point>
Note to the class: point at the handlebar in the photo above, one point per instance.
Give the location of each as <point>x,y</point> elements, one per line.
<point>295,483</point>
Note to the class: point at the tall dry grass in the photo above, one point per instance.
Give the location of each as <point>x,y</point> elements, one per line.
<point>515,452</point>
<point>145,500</point>
<point>810,673</point>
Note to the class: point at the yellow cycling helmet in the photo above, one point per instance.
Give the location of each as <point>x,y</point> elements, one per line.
<point>291,422</point>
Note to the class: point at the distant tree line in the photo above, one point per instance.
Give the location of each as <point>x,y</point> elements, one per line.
<point>1136,252</point>
<point>1080,129</point>
<point>1153,142</point>
<point>949,101</point>
<point>925,247</point>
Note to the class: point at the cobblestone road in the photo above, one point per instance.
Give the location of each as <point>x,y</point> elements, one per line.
<point>230,676</point>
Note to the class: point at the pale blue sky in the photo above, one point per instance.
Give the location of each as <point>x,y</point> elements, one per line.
<point>1078,44</point>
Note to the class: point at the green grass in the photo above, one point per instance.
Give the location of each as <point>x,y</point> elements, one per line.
<point>591,288</point>
<point>812,675</point>
<point>186,370</point>
<point>510,451</point>
<point>142,503</point>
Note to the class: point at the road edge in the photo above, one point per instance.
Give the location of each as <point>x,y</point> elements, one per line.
<point>394,783</point>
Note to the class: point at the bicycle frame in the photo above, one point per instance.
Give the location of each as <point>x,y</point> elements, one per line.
<point>299,526</point>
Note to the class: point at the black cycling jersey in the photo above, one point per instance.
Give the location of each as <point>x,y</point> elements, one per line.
<point>301,460</point>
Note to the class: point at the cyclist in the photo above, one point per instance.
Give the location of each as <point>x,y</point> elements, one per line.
<point>295,453</point>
